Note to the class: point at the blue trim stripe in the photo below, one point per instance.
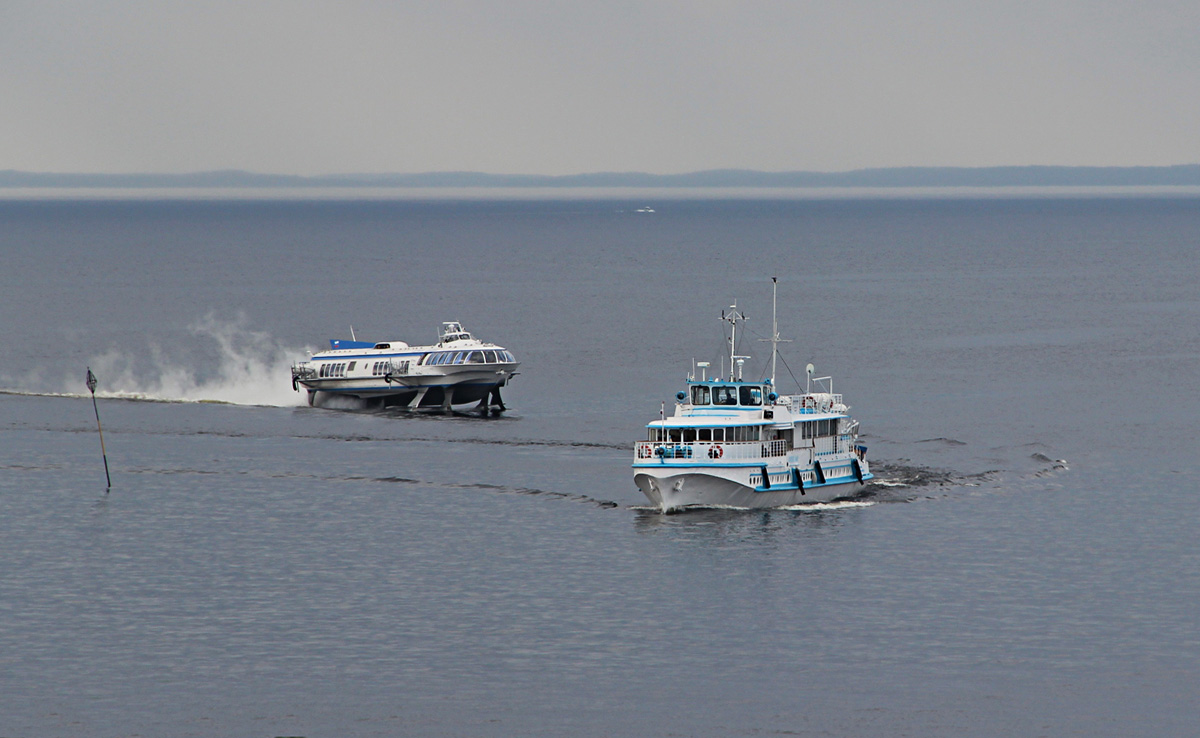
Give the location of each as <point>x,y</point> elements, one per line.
<point>398,390</point>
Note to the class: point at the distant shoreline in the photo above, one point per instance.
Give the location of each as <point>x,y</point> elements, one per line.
<point>1186,175</point>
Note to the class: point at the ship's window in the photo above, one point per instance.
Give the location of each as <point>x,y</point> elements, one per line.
<point>700,394</point>
<point>351,367</point>
<point>509,357</point>
<point>475,358</point>
<point>751,395</point>
<point>460,357</point>
<point>489,357</point>
<point>718,434</point>
<point>674,435</point>
<point>724,395</point>
<point>704,434</point>
<point>689,435</point>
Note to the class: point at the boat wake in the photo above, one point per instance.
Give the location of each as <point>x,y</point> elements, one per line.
<point>425,484</point>
<point>239,367</point>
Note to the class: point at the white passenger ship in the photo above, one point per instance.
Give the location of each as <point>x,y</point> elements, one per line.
<point>457,370</point>
<point>733,443</point>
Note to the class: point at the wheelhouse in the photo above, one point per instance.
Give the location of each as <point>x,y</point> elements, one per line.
<point>728,394</point>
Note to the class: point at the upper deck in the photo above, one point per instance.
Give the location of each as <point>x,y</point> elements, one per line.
<point>748,402</point>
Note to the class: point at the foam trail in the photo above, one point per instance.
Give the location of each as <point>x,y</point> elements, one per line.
<point>251,368</point>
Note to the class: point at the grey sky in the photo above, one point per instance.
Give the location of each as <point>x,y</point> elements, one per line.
<point>567,87</point>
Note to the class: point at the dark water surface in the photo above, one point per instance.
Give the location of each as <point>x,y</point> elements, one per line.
<point>1025,371</point>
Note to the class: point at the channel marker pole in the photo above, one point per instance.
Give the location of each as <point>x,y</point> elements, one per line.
<point>91,385</point>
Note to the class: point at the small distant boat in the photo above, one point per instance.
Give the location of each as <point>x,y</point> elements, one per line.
<point>457,370</point>
<point>737,443</point>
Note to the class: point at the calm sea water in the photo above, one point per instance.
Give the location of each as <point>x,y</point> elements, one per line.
<point>1025,371</point>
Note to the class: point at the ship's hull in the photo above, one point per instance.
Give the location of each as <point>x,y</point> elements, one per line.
<point>417,391</point>
<point>671,488</point>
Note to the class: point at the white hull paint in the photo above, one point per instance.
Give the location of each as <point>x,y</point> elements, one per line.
<point>672,489</point>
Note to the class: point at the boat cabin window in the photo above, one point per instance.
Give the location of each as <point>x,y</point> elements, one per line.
<point>700,394</point>
<point>733,434</point>
<point>817,428</point>
<point>750,394</point>
<point>351,367</point>
<point>332,370</point>
<point>490,357</point>
<point>742,433</point>
<point>476,357</point>
<point>724,395</point>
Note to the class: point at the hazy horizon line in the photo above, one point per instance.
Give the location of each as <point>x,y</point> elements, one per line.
<point>910,176</point>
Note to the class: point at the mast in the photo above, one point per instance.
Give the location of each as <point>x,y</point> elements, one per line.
<point>774,339</point>
<point>732,318</point>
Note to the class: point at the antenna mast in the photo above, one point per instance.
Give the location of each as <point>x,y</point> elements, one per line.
<point>774,339</point>
<point>732,318</point>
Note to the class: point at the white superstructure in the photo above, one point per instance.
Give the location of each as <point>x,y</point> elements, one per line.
<point>458,369</point>
<point>739,443</point>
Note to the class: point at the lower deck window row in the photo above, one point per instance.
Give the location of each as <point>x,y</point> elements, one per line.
<point>736,433</point>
